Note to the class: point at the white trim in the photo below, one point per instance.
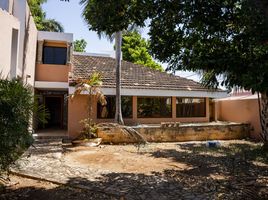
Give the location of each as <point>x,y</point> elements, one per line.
<point>92,54</point>
<point>55,36</point>
<point>151,92</point>
<point>50,85</point>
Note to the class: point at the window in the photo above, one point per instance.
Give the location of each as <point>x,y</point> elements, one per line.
<point>191,107</point>
<point>54,55</point>
<point>154,107</point>
<point>108,111</point>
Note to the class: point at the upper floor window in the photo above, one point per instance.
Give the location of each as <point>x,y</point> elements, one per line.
<point>54,55</point>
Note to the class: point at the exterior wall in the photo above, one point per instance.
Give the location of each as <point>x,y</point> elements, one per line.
<point>7,23</point>
<point>18,53</point>
<point>19,11</point>
<point>53,73</point>
<point>243,111</point>
<point>77,110</point>
<point>224,131</point>
<point>29,49</point>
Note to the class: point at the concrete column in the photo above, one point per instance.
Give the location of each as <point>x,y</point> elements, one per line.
<point>173,108</point>
<point>69,52</point>
<point>216,108</point>
<point>207,109</point>
<point>134,108</point>
<point>39,54</point>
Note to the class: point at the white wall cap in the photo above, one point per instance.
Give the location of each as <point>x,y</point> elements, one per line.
<point>92,54</point>
<point>55,36</point>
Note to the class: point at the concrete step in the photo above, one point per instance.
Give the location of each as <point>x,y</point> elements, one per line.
<point>49,137</point>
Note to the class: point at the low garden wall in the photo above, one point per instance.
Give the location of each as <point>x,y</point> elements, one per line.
<point>179,133</point>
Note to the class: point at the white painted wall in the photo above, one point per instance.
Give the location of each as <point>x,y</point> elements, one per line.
<point>21,62</point>
<point>7,23</point>
<point>30,49</point>
<point>19,11</point>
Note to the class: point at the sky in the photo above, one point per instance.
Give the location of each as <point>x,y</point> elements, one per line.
<point>69,14</point>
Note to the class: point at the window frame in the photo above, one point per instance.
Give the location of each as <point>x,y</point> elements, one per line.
<point>192,116</point>
<point>124,117</point>
<point>154,117</point>
<point>54,56</point>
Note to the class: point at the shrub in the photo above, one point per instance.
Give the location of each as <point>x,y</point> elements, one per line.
<point>16,111</point>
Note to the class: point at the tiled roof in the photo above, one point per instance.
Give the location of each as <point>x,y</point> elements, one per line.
<point>133,76</point>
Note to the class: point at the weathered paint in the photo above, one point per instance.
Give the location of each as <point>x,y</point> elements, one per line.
<point>182,133</point>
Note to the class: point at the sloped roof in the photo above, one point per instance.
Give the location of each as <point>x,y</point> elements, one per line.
<point>133,76</point>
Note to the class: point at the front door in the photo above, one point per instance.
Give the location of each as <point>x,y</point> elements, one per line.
<point>54,105</point>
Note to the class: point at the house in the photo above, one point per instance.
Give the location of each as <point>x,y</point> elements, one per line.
<point>46,61</point>
<point>18,36</point>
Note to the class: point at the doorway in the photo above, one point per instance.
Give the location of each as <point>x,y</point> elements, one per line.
<point>54,105</point>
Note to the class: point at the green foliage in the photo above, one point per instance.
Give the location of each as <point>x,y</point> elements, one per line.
<point>111,16</point>
<point>135,49</point>
<point>89,129</point>
<point>92,87</point>
<point>40,20</point>
<point>16,105</point>
<point>80,45</point>
<point>216,37</point>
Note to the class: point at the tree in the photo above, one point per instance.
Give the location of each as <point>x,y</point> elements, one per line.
<point>91,86</point>
<point>226,38</point>
<point>40,20</point>
<point>80,45</point>
<point>135,49</point>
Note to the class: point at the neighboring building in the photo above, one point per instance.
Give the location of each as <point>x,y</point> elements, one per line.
<point>18,36</point>
<point>45,60</point>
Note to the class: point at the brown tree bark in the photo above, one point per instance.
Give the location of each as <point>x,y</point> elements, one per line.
<point>264,118</point>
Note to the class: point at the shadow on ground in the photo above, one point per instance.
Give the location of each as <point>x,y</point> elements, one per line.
<point>234,172</point>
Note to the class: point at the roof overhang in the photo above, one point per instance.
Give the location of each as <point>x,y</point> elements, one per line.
<point>160,92</point>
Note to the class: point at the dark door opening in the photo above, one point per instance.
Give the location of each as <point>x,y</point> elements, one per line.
<point>54,104</point>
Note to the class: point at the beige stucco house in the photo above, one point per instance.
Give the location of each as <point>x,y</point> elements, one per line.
<point>45,60</point>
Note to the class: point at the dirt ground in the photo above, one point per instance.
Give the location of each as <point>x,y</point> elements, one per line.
<point>235,170</point>
<point>20,188</point>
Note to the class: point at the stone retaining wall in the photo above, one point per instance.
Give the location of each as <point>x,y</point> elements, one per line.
<point>185,132</point>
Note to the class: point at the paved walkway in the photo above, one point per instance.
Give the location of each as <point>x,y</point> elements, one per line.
<point>45,160</point>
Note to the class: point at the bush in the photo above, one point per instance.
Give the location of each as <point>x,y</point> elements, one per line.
<point>16,111</point>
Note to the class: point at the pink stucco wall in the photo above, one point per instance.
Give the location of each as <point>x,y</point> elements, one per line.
<point>241,110</point>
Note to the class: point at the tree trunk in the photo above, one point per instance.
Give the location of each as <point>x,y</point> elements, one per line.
<point>264,118</point>
<point>118,57</point>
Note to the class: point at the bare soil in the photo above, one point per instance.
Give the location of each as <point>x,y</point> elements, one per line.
<point>20,188</point>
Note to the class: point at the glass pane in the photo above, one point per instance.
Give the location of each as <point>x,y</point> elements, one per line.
<point>190,107</point>
<point>154,107</point>
<point>55,55</point>
<point>108,111</point>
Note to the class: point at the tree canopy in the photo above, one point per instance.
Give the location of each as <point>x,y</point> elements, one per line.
<point>220,37</point>
<point>41,22</point>
<point>80,45</point>
<point>217,37</point>
<point>135,49</point>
